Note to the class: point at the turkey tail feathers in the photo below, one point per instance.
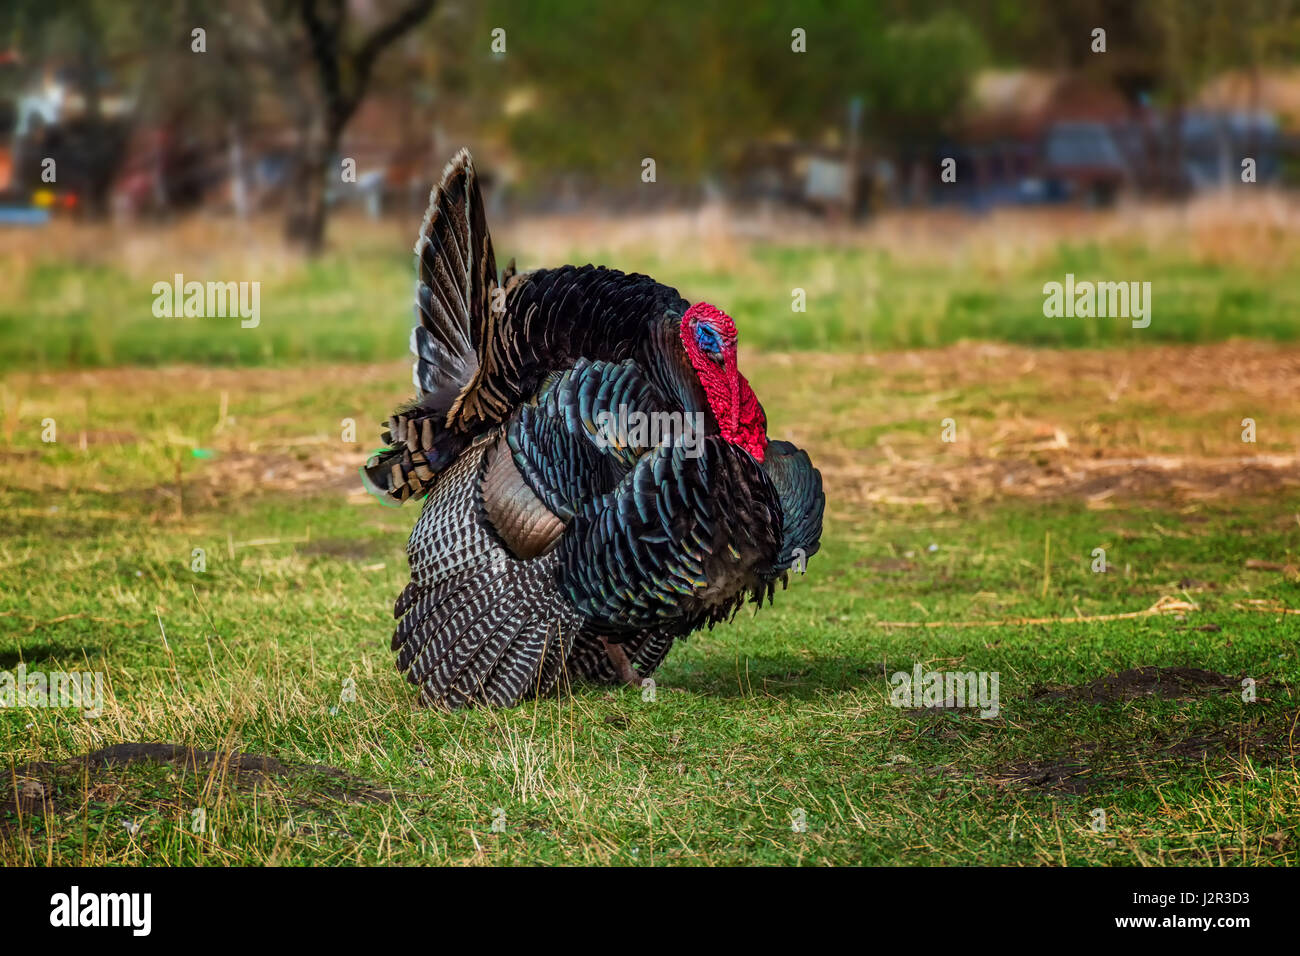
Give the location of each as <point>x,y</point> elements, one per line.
<point>487,640</point>
<point>477,625</point>
<point>456,269</point>
<point>456,274</point>
<point>645,651</point>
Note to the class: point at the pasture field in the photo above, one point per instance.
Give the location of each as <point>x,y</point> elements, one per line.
<point>1223,269</point>
<point>253,681</point>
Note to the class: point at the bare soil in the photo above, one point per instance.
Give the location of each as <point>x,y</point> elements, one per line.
<point>60,785</point>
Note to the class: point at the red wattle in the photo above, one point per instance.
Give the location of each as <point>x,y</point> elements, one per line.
<point>734,405</point>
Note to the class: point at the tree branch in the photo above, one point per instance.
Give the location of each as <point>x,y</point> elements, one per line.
<point>363,61</point>
<point>344,89</point>
<point>323,37</point>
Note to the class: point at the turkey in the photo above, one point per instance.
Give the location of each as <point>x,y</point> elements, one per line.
<point>596,472</point>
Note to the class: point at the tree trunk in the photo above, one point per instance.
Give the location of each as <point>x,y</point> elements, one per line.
<point>341,81</point>
<point>305,215</point>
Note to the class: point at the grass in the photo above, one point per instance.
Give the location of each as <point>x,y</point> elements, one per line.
<point>279,646</point>
<point>1220,270</point>
<point>855,300</point>
<point>770,740</point>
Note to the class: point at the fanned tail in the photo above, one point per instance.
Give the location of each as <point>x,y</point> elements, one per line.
<point>457,272</point>
<point>477,624</point>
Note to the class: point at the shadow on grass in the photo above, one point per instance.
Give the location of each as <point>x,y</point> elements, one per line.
<point>782,675</point>
<point>40,653</point>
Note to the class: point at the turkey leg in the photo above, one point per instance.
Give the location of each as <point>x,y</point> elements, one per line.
<point>622,665</point>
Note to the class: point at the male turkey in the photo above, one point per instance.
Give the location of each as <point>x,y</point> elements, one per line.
<point>560,538</point>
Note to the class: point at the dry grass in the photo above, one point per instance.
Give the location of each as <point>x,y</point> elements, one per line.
<point>1163,423</point>
<point>1257,230</point>
<point>1159,423</point>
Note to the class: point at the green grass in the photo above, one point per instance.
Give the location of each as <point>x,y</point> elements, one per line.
<point>773,718</point>
<point>781,712</point>
<point>59,311</point>
<point>863,299</point>
<point>235,446</point>
<point>68,316</point>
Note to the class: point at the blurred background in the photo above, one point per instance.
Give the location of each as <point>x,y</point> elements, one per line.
<point>840,109</point>
<point>793,146</point>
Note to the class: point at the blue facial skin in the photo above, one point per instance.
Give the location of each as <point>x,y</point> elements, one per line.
<point>707,338</point>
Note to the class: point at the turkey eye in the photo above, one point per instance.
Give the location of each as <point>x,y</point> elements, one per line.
<point>708,341</point>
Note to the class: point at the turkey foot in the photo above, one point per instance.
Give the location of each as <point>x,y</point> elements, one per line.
<point>621,664</point>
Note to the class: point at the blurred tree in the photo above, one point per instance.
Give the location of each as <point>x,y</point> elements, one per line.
<point>693,84</point>
<point>322,62</point>
<point>592,88</point>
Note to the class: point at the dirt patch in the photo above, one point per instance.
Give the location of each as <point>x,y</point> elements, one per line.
<point>1100,482</point>
<point>58,786</point>
<point>1103,425</point>
<point>104,436</point>
<point>1168,682</point>
<point>1265,742</point>
<point>237,474</point>
<point>1106,426</point>
<point>1274,738</point>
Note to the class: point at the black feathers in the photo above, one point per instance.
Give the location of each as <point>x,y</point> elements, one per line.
<point>456,275</point>
<point>799,488</point>
<point>457,271</point>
